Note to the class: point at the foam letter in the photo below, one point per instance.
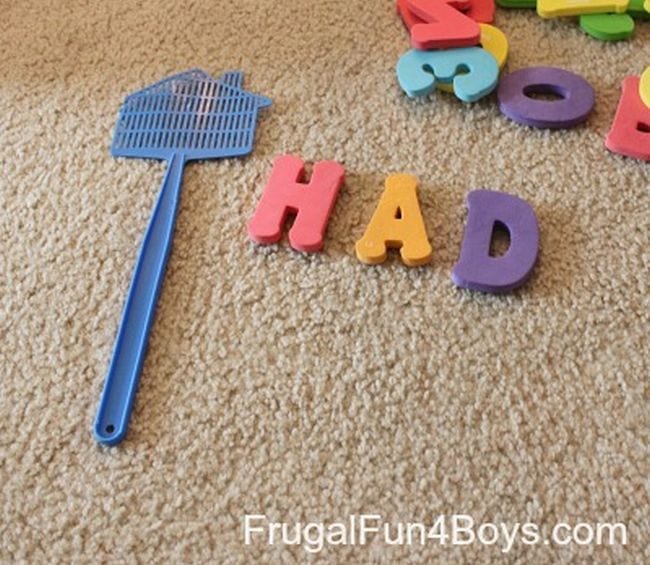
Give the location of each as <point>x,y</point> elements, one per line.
<point>477,269</point>
<point>576,97</point>
<point>442,25</point>
<point>285,194</point>
<point>410,19</point>
<point>557,8</point>
<point>608,27</point>
<point>418,71</point>
<point>397,223</point>
<point>630,133</point>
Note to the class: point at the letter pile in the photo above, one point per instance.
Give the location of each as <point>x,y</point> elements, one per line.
<point>455,49</point>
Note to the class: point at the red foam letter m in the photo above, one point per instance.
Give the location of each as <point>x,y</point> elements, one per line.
<point>285,194</point>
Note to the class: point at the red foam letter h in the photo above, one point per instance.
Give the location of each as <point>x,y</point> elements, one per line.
<point>285,194</point>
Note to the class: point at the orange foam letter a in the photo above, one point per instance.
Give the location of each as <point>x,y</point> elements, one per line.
<point>397,223</point>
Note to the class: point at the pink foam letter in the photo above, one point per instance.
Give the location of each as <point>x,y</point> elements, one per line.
<point>285,194</point>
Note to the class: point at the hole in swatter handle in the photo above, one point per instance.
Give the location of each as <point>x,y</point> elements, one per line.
<point>109,435</point>
<point>121,383</point>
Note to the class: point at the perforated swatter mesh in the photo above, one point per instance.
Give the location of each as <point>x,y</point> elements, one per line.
<point>187,112</point>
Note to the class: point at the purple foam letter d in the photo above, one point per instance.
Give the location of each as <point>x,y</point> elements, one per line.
<point>477,269</point>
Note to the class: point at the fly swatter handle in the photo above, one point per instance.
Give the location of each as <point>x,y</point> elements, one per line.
<point>121,382</point>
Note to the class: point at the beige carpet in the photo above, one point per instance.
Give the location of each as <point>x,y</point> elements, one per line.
<point>311,388</point>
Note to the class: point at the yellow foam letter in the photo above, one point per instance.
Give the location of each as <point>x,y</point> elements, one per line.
<point>557,8</point>
<point>397,222</point>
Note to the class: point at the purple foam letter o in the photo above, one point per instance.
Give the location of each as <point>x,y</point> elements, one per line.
<point>576,95</point>
<point>476,268</point>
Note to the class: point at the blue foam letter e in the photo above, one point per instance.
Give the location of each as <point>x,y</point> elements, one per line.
<point>476,269</point>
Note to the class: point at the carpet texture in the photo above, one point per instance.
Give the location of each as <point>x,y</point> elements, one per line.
<point>308,388</point>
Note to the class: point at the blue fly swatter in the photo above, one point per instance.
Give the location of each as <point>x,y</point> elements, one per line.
<point>186,117</point>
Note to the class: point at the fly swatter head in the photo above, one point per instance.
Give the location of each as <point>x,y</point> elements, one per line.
<point>191,114</point>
